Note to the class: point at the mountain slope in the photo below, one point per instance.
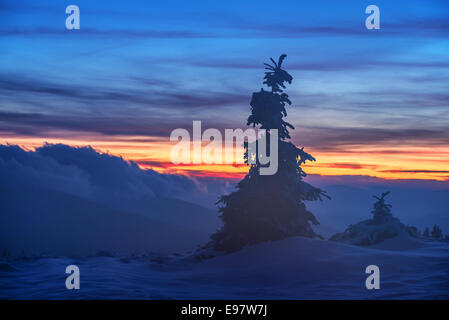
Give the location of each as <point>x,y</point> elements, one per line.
<point>37,221</point>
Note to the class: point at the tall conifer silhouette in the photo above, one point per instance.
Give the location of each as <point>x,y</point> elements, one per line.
<point>269,207</point>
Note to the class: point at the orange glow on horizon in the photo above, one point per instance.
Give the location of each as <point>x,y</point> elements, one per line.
<point>405,162</point>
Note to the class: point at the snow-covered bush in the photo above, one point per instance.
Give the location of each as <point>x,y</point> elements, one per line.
<point>381,227</point>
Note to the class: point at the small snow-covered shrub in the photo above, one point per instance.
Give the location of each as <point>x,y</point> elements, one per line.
<point>381,227</point>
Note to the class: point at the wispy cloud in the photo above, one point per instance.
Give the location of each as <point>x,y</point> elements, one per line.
<point>325,138</point>
<point>339,165</point>
<point>152,97</point>
<point>90,32</point>
<point>416,171</point>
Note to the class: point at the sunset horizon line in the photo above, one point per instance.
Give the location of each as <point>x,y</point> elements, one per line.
<point>159,161</point>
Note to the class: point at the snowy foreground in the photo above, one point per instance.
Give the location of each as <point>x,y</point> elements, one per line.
<point>295,268</point>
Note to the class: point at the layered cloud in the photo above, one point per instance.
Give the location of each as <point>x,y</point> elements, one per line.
<point>375,99</point>
<point>85,172</point>
<point>64,200</point>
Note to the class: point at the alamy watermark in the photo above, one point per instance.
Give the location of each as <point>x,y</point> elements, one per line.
<point>72,22</point>
<point>373,20</point>
<point>192,151</point>
<point>373,280</point>
<point>72,282</point>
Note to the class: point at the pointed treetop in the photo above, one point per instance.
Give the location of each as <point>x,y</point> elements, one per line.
<point>381,209</point>
<point>276,76</point>
<point>382,197</point>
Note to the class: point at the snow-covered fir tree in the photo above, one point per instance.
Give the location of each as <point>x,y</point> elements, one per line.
<point>269,207</point>
<point>381,210</point>
<point>381,227</point>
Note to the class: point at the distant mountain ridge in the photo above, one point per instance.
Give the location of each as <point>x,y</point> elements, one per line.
<point>41,221</point>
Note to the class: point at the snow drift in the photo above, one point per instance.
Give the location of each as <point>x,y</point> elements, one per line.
<point>294,268</point>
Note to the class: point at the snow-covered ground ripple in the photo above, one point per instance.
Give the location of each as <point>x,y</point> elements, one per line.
<point>296,268</point>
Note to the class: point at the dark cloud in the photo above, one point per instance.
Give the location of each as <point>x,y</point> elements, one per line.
<point>90,32</point>
<point>149,112</point>
<point>400,98</point>
<point>155,163</point>
<point>151,97</point>
<point>335,64</point>
<point>416,171</point>
<point>320,138</point>
<point>238,29</point>
<point>340,165</point>
<point>338,138</point>
<point>133,125</point>
<point>370,182</point>
<point>418,27</point>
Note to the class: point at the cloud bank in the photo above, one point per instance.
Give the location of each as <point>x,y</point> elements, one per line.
<point>66,200</point>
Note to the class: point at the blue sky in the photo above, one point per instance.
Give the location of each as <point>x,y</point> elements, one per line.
<point>143,68</point>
